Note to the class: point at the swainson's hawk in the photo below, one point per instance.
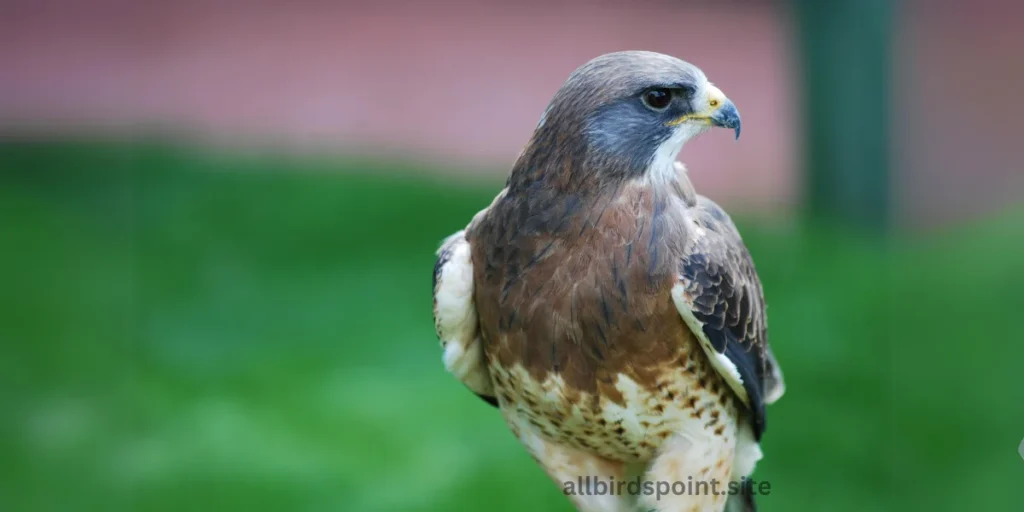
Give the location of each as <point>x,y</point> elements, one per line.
<point>613,315</point>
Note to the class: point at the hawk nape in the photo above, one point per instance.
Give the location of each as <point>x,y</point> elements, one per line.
<point>613,315</point>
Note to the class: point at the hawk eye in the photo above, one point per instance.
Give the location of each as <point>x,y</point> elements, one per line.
<point>657,99</point>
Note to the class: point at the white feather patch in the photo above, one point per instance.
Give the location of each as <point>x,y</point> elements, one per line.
<point>748,452</point>
<point>778,381</point>
<point>775,394</point>
<point>663,167</point>
<point>456,320</point>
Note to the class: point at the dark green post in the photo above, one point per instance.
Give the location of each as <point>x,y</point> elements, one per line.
<point>845,50</point>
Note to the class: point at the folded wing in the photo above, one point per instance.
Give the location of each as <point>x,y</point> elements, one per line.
<point>719,296</point>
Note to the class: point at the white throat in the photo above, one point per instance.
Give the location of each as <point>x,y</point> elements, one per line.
<point>663,166</point>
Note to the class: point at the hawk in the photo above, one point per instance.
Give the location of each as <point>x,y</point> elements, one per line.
<point>611,314</point>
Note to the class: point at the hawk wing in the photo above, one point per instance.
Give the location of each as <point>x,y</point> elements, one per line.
<point>719,297</point>
<point>455,319</point>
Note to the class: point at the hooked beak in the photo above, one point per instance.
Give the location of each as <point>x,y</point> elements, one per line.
<point>723,112</point>
<point>727,117</point>
<point>716,111</point>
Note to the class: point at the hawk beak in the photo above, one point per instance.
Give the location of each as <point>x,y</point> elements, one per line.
<point>723,112</point>
<point>718,111</point>
<point>727,117</point>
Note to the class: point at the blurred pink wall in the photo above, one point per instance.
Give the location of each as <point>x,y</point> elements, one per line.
<point>959,140</point>
<point>460,84</point>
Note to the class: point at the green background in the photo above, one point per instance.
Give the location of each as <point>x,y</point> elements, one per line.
<point>187,330</point>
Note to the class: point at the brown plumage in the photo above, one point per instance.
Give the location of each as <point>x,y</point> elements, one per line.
<point>612,314</point>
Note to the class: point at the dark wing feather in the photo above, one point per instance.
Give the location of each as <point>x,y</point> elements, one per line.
<point>722,291</point>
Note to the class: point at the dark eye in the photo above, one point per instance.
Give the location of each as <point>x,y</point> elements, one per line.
<point>657,99</point>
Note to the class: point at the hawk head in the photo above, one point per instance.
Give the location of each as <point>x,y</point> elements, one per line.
<point>627,113</point>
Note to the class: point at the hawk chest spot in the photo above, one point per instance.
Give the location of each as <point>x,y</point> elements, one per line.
<point>688,398</point>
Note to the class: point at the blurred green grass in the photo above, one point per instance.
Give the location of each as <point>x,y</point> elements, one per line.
<point>191,330</point>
